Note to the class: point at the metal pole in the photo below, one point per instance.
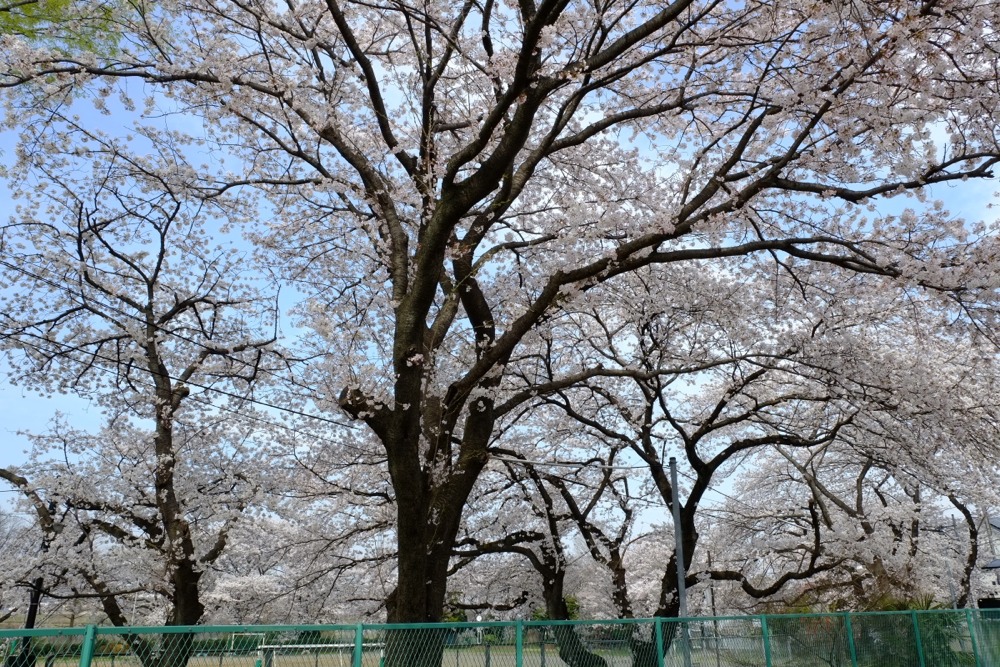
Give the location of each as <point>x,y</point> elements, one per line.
<point>519,643</point>
<point>989,534</point>
<point>972,635</point>
<point>658,634</point>
<point>765,636</point>
<point>87,650</point>
<point>359,645</point>
<point>918,639</point>
<point>851,647</point>
<point>679,558</point>
<point>715,614</point>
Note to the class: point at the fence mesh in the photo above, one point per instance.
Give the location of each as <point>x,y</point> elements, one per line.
<point>41,648</point>
<point>727,642</point>
<point>964,638</point>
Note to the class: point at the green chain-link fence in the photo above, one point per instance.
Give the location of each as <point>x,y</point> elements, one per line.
<point>965,638</point>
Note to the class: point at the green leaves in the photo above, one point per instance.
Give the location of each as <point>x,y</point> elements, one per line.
<point>69,26</point>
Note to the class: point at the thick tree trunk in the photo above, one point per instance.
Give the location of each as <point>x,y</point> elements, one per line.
<point>432,484</point>
<point>172,650</point>
<point>424,554</point>
<point>414,647</point>
<point>419,595</point>
<point>428,514</point>
<point>417,598</point>
<point>176,649</point>
<point>572,649</point>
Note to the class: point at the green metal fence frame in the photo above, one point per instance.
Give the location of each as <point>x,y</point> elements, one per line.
<point>89,636</point>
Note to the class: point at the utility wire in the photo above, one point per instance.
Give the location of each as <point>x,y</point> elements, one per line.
<point>73,295</point>
<point>197,399</point>
<point>299,413</point>
<point>567,464</point>
<point>203,387</point>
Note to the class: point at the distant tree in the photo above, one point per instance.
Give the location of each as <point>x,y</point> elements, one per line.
<point>321,547</point>
<point>114,290</point>
<point>888,535</point>
<point>722,383</point>
<point>16,542</point>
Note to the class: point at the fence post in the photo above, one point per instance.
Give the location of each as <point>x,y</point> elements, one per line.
<point>87,650</point>
<point>519,643</point>
<point>916,637</point>
<point>359,639</point>
<point>658,634</point>
<point>849,629</point>
<point>972,635</point>
<point>767,641</point>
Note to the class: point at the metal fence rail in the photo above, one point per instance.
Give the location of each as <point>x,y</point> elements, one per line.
<point>964,638</point>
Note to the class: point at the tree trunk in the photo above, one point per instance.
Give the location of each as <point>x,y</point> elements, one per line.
<point>172,650</point>
<point>414,647</point>
<point>418,598</point>
<point>25,656</point>
<point>428,520</point>
<point>175,650</point>
<point>644,650</point>
<point>572,650</point>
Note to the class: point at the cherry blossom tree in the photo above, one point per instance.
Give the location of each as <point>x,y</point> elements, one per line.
<point>870,506</point>
<point>891,561</point>
<point>890,540</point>
<point>16,542</point>
<point>298,571</point>
<point>710,382</point>
<point>446,180</point>
<point>536,537</point>
<point>719,382</point>
<point>113,290</point>
<point>323,546</point>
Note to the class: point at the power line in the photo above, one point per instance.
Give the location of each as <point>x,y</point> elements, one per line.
<point>117,362</point>
<point>118,310</point>
<point>75,296</point>
<point>197,399</point>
